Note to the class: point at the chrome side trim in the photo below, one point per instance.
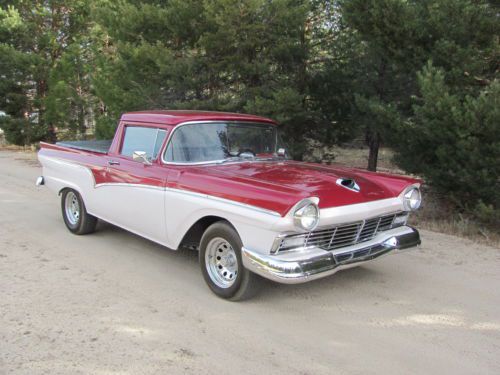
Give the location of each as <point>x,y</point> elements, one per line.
<point>124,184</point>
<point>317,263</point>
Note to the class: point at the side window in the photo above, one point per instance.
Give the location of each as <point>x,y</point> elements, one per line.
<point>138,138</point>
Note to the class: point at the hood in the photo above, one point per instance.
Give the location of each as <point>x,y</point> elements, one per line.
<point>285,183</point>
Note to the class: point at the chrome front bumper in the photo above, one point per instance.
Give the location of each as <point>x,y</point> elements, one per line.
<point>310,264</point>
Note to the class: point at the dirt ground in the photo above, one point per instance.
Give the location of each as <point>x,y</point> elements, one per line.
<point>113,303</point>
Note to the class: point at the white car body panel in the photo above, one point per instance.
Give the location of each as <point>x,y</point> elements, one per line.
<point>164,215</point>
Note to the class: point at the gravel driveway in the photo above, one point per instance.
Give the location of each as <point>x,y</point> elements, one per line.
<point>113,303</point>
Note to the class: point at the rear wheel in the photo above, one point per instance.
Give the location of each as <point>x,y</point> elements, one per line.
<point>221,264</point>
<point>75,216</point>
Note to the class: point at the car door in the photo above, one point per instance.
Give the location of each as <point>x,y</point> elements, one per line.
<point>133,193</point>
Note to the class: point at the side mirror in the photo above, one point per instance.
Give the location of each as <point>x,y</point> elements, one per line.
<point>142,157</point>
<point>281,152</point>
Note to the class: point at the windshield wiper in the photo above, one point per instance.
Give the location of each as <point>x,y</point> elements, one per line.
<point>277,158</point>
<point>229,159</point>
<point>240,158</point>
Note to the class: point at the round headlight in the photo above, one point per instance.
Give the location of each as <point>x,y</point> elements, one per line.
<point>412,199</point>
<point>307,217</point>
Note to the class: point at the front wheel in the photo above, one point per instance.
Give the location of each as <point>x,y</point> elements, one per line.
<point>75,216</point>
<point>221,264</point>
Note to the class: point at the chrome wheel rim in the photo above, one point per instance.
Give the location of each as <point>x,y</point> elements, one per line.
<point>221,262</point>
<point>72,208</point>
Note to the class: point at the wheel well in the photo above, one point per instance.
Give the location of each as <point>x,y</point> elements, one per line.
<point>62,190</point>
<point>66,188</point>
<point>193,236</point>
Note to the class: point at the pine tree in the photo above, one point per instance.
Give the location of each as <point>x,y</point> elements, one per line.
<point>454,142</point>
<point>40,37</point>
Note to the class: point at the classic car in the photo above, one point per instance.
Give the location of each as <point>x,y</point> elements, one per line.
<point>222,183</point>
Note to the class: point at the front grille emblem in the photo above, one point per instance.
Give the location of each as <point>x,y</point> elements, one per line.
<point>348,183</point>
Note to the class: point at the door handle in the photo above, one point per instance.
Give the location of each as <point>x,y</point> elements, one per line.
<point>113,162</point>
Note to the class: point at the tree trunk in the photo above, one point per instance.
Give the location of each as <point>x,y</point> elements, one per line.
<point>373,141</point>
<point>373,137</point>
<point>41,92</point>
<point>81,120</point>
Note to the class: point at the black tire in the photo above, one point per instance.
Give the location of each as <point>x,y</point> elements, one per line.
<point>246,283</point>
<point>85,223</point>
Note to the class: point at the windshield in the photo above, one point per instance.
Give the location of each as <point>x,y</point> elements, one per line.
<point>206,142</point>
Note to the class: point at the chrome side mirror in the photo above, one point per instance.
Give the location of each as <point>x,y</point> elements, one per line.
<point>142,157</point>
<point>281,152</point>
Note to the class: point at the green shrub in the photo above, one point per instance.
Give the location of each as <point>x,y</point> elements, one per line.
<point>454,142</point>
<point>21,131</point>
<point>487,213</point>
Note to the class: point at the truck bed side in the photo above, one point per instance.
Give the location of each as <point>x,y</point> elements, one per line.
<point>100,146</point>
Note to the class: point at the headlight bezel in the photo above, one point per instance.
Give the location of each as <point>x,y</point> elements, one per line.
<point>408,196</point>
<point>302,212</point>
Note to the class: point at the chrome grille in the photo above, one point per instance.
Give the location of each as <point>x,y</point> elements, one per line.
<point>346,234</point>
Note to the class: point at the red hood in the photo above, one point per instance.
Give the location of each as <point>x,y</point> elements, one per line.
<point>279,185</point>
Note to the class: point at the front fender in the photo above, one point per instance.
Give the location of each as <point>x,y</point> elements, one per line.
<point>183,209</point>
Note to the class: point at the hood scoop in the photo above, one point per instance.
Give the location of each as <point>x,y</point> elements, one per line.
<point>349,184</point>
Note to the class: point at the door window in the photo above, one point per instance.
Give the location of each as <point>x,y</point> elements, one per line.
<point>139,138</point>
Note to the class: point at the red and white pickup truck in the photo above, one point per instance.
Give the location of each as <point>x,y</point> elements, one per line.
<point>222,183</point>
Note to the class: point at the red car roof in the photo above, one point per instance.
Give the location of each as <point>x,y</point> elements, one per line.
<point>177,117</point>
